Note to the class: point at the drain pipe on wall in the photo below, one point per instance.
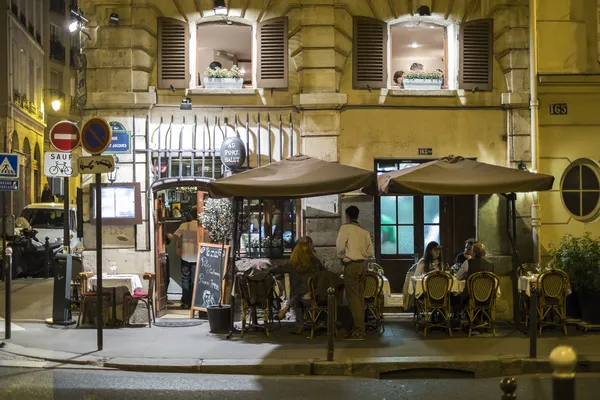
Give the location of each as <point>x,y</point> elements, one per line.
<point>534,107</point>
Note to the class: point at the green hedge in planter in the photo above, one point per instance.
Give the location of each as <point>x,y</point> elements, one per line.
<point>579,257</point>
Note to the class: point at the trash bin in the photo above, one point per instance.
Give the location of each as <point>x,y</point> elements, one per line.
<point>219,318</point>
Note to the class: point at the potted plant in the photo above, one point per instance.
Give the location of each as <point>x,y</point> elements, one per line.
<point>422,80</point>
<point>223,78</point>
<point>579,257</point>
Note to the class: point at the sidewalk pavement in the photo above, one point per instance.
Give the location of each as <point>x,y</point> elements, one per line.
<point>399,350</point>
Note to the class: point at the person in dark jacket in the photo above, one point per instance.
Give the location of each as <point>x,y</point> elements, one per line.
<point>479,263</point>
<point>47,196</point>
<point>468,253</point>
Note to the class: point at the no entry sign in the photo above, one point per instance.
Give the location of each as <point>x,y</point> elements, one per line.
<point>96,135</point>
<point>65,136</point>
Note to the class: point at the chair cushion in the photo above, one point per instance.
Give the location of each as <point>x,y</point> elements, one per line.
<point>140,293</point>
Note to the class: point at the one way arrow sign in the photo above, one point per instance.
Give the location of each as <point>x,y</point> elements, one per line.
<point>96,164</point>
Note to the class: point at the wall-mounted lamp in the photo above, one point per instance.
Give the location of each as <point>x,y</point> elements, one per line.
<point>56,104</point>
<point>522,166</point>
<point>114,19</point>
<point>424,11</point>
<point>112,176</point>
<point>220,7</point>
<point>186,104</point>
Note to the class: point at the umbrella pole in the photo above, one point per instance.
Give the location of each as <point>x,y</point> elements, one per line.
<point>234,247</point>
<point>511,232</point>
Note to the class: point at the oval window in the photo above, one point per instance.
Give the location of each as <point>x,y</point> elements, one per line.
<point>580,190</point>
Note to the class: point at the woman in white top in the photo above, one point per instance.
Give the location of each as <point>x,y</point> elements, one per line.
<point>431,260</point>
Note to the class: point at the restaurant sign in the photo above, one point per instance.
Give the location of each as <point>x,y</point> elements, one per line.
<point>233,153</point>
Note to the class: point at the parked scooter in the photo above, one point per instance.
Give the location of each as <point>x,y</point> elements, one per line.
<point>29,254</point>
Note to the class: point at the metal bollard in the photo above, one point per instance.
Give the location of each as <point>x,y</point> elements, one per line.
<point>563,360</point>
<point>509,387</point>
<point>533,328</point>
<point>47,248</point>
<point>331,308</point>
<point>7,293</point>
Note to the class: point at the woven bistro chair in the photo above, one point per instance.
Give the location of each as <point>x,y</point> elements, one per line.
<point>435,298</point>
<point>86,296</point>
<point>256,294</point>
<point>317,307</point>
<point>552,286</point>
<point>483,289</point>
<point>146,297</point>
<point>374,301</point>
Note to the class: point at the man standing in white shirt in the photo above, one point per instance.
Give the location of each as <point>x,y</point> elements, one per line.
<point>353,247</point>
<point>188,234</point>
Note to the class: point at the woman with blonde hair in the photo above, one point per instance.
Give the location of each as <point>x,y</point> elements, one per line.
<point>302,265</point>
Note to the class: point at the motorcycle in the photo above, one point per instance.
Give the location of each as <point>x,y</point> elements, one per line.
<point>29,254</point>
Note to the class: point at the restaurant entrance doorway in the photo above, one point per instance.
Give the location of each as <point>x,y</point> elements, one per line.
<point>172,205</point>
<point>405,224</point>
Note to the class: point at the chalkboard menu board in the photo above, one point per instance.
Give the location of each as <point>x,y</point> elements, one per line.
<point>207,282</point>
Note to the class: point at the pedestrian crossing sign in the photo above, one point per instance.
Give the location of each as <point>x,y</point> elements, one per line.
<point>9,166</point>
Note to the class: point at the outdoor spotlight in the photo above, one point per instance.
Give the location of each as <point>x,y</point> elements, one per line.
<point>73,26</point>
<point>522,166</point>
<point>424,11</point>
<point>186,104</point>
<point>114,18</point>
<point>220,7</point>
<point>56,105</point>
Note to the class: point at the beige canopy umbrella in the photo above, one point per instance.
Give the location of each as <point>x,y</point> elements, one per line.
<point>459,176</point>
<point>296,177</point>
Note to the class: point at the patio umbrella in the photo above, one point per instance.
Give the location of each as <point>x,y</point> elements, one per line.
<point>459,176</point>
<point>299,176</point>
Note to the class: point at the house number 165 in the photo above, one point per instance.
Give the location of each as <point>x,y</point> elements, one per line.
<point>559,109</point>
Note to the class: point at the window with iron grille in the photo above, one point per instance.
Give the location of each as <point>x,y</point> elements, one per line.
<point>580,190</point>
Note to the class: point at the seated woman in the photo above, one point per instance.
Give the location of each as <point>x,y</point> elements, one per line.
<point>303,264</point>
<point>430,262</point>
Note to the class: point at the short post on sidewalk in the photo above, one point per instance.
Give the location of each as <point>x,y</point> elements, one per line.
<point>331,308</point>
<point>509,387</point>
<point>533,321</point>
<point>7,288</point>
<point>47,259</point>
<point>563,360</point>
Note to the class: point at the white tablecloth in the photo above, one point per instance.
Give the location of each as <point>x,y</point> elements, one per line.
<point>526,281</point>
<point>386,287</point>
<point>416,287</point>
<point>130,281</point>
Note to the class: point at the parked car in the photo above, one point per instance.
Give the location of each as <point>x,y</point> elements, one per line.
<point>48,220</point>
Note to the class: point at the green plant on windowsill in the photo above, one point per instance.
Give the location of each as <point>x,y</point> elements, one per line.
<point>234,72</point>
<point>412,75</point>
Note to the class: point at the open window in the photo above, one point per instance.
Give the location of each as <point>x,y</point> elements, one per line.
<point>421,56</point>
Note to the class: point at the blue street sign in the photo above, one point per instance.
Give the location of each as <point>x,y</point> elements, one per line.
<point>96,135</point>
<point>121,140</point>
<point>9,165</point>
<point>8,185</point>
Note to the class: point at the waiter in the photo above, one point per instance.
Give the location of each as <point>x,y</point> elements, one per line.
<point>353,247</point>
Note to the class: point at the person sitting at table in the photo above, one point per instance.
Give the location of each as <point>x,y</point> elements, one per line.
<point>431,260</point>
<point>478,263</point>
<point>467,254</point>
<point>303,264</point>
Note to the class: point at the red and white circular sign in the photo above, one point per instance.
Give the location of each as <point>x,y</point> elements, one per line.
<point>65,136</point>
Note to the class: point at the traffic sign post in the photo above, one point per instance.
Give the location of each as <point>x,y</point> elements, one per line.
<point>9,166</point>
<point>59,165</point>
<point>96,137</point>
<point>65,136</point>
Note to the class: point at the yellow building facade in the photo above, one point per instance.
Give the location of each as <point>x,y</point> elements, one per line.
<point>336,107</point>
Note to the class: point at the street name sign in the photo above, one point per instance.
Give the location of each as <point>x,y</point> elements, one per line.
<point>65,136</point>
<point>96,164</point>
<point>59,165</point>
<point>8,185</point>
<point>9,166</point>
<point>96,136</point>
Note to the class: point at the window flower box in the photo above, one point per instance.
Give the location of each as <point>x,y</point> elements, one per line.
<point>223,83</point>
<point>221,78</point>
<point>420,80</point>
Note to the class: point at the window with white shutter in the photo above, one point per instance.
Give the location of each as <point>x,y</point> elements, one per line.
<point>272,66</point>
<point>173,69</point>
<point>476,55</point>
<point>369,53</point>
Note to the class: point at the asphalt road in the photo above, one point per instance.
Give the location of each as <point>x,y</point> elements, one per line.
<point>110,384</point>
